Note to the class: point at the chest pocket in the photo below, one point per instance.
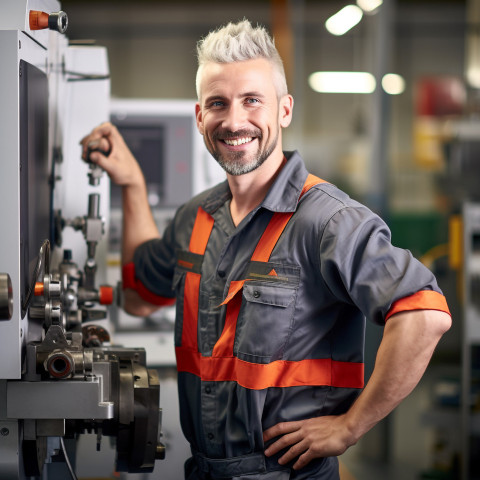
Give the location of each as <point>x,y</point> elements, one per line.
<point>266,316</point>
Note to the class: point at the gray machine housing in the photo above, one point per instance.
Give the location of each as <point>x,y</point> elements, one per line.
<point>59,374</point>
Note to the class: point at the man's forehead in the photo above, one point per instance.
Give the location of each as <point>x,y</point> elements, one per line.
<point>218,76</point>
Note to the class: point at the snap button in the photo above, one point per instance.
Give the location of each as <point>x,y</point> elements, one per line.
<point>210,436</point>
<point>208,390</point>
<point>221,274</point>
<point>256,294</point>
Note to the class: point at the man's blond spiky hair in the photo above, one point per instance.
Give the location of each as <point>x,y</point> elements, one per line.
<point>238,42</point>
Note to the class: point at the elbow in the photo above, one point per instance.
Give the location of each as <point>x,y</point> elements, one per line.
<point>445,323</point>
<point>134,305</point>
<point>137,310</point>
<point>437,323</point>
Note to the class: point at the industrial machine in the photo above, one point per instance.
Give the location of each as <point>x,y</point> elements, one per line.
<point>60,376</point>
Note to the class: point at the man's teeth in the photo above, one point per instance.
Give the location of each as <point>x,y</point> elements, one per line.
<point>238,141</point>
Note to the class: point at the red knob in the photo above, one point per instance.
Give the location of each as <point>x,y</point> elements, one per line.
<point>57,21</point>
<point>38,20</point>
<point>105,295</point>
<point>39,289</point>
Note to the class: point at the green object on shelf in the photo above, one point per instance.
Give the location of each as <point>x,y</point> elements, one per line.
<point>418,232</point>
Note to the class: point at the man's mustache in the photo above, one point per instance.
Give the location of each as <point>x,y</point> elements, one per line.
<point>222,134</point>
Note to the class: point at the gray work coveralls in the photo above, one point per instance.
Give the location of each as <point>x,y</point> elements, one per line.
<point>262,340</point>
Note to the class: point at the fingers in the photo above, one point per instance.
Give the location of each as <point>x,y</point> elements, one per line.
<point>283,442</point>
<point>101,144</point>
<point>301,441</point>
<point>100,138</point>
<point>294,452</point>
<point>281,429</point>
<point>290,434</point>
<point>300,450</point>
<point>303,460</point>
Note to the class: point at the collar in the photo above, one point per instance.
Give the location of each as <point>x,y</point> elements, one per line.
<point>283,194</point>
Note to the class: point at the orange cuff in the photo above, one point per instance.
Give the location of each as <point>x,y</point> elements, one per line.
<point>422,300</point>
<point>128,276</point>
<point>130,281</point>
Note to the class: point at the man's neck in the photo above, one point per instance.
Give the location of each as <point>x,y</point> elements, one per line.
<point>249,190</point>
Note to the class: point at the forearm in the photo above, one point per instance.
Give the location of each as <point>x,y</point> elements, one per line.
<point>138,227</point>
<point>404,353</point>
<point>407,346</point>
<point>138,222</point>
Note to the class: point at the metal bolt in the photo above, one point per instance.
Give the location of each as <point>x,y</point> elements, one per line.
<point>160,452</point>
<point>4,432</point>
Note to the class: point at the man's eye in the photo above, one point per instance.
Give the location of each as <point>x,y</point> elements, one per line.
<point>252,100</point>
<point>217,103</point>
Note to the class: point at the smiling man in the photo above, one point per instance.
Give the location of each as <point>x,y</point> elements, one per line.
<point>273,273</point>
<point>241,114</point>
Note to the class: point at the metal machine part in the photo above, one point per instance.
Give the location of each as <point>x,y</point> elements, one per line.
<point>6,298</point>
<point>107,384</point>
<point>95,172</point>
<point>54,21</point>
<point>114,388</point>
<point>93,228</point>
<point>111,385</point>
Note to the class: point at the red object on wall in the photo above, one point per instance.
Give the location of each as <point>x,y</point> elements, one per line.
<point>440,96</point>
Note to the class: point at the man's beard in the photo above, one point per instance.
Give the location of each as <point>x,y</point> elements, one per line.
<point>235,163</point>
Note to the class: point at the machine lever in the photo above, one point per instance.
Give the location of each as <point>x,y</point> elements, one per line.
<point>57,21</point>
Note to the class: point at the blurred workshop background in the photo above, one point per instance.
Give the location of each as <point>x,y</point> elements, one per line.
<point>403,136</point>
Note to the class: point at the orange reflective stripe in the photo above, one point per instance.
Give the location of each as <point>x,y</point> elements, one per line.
<point>190,310</point>
<point>224,345</point>
<point>270,236</point>
<point>423,300</point>
<point>310,182</point>
<point>235,287</point>
<point>280,373</point>
<point>277,224</point>
<point>202,228</point>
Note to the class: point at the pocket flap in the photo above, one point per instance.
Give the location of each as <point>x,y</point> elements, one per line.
<point>278,295</point>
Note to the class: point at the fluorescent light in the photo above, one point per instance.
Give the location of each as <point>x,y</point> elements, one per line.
<point>369,5</point>
<point>473,76</point>
<point>393,84</point>
<point>472,56</point>
<point>344,20</point>
<point>342,82</point>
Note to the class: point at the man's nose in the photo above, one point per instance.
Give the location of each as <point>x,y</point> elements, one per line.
<point>235,118</point>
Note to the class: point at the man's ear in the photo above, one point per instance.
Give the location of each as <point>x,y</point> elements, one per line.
<point>285,110</point>
<point>199,118</point>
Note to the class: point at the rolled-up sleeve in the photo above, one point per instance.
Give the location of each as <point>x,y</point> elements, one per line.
<point>362,267</point>
<point>154,265</point>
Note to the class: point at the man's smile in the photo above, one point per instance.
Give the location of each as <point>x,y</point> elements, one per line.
<point>238,141</point>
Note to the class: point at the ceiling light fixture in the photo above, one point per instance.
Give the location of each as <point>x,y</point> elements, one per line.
<point>369,6</point>
<point>344,20</point>
<point>393,84</point>
<point>342,82</point>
